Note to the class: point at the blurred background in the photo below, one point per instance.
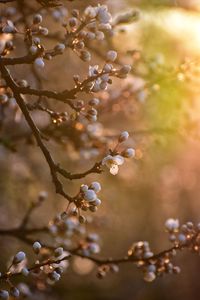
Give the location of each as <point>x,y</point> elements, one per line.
<point>159,105</point>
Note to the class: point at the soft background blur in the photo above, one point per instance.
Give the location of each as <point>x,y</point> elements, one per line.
<point>163,118</point>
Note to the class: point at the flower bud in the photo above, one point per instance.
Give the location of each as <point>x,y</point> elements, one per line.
<point>4,294</point>
<point>111,55</point>
<point>95,186</point>
<point>75,13</point>
<point>25,271</point>
<point>125,69</point>
<point>82,219</point>
<point>128,153</point>
<point>42,196</point>
<point>94,248</point>
<point>60,47</point>
<point>19,257</point>
<point>33,49</point>
<point>36,247</point>
<point>14,292</point>
<point>39,63</point>
<point>3,98</point>
<point>90,12</point>
<point>85,55</point>
<point>23,83</point>
<point>54,276</point>
<point>37,19</point>
<point>172,224</point>
<point>96,202</point>
<point>90,195</point>
<point>123,136</point>
<point>100,35</point>
<point>58,252</point>
<point>108,68</point>
<point>73,22</point>
<point>90,36</point>
<point>36,40</point>
<point>44,30</point>
<point>9,28</point>
<point>84,188</point>
<point>182,238</point>
<point>92,112</point>
<point>93,208</point>
<point>149,276</point>
<point>94,102</point>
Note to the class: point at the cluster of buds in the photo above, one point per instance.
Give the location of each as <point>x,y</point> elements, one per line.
<point>6,46</point>
<point>65,227</point>
<point>69,221</point>
<point>100,78</point>
<point>89,245</point>
<point>152,266</point>
<point>116,159</point>
<point>93,24</point>
<point>92,112</point>
<point>103,270</point>
<point>51,271</point>
<point>87,199</point>
<point>8,27</point>
<point>17,265</point>
<point>156,265</point>
<point>185,235</point>
<point>48,267</point>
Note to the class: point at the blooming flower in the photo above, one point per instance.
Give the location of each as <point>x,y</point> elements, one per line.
<point>112,163</point>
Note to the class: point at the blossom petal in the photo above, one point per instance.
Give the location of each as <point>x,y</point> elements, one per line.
<point>107,159</point>
<point>118,159</point>
<point>114,169</point>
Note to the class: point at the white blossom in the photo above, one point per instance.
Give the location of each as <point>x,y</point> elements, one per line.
<point>112,163</point>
